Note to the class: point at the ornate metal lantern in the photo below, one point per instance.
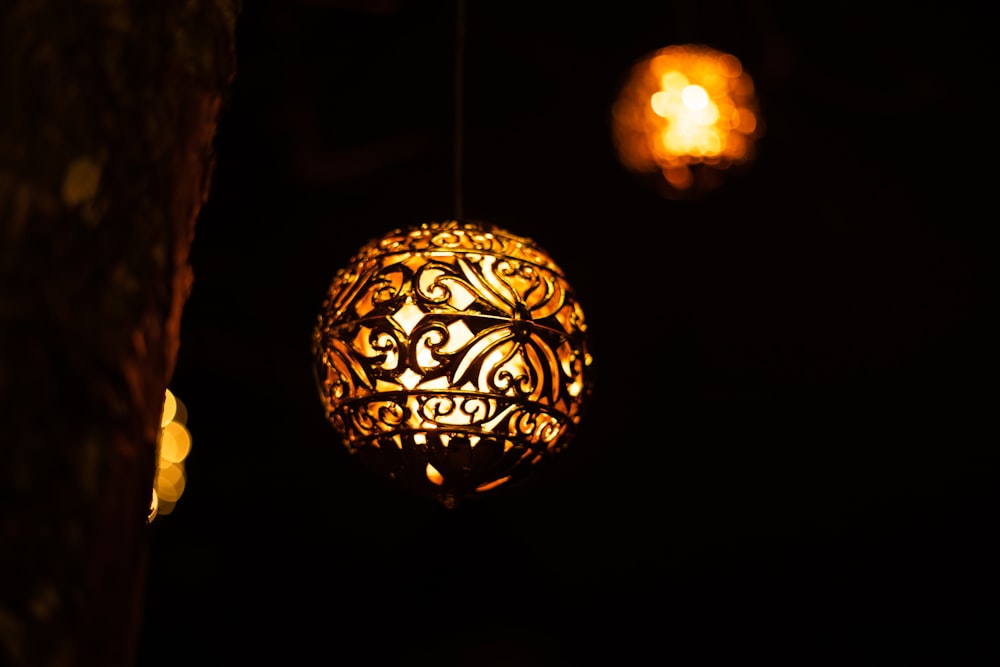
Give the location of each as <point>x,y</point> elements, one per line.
<point>452,358</point>
<point>685,115</point>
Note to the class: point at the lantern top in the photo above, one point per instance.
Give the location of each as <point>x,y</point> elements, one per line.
<point>454,236</point>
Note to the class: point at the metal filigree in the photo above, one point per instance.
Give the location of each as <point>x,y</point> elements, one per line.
<point>452,357</point>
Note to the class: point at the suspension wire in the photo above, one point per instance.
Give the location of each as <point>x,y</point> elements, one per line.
<point>459,92</point>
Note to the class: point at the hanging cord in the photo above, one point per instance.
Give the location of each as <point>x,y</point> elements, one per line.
<point>459,93</point>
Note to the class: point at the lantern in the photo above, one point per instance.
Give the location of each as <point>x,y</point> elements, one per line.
<point>452,358</point>
<point>685,115</point>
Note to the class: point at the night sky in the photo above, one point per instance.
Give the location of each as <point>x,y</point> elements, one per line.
<point>788,455</point>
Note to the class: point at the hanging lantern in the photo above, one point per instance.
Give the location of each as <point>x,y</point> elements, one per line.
<point>685,115</point>
<point>452,358</point>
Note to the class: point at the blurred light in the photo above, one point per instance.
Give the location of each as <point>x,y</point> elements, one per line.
<point>451,358</point>
<point>173,444</point>
<point>169,409</point>
<point>685,115</point>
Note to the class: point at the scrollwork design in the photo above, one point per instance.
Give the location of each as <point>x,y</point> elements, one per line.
<point>434,283</point>
<point>387,343</point>
<point>507,284</point>
<point>452,343</point>
<point>458,237</point>
<point>435,408</point>
<point>381,292</point>
<point>450,409</point>
<point>502,361</point>
<point>370,418</point>
<point>430,336</point>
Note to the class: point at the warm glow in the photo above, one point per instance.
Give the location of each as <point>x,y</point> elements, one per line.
<point>173,444</point>
<point>491,485</point>
<point>695,98</point>
<point>170,482</point>
<point>169,409</point>
<point>452,358</point>
<point>434,476</point>
<point>686,114</point>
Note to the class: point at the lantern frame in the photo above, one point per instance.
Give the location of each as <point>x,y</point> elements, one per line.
<point>452,358</point>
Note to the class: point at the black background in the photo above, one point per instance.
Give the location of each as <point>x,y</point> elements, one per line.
<point>789,454</point>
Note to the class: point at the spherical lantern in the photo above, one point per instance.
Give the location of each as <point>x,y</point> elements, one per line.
<point>452,358</point>
<point>685,115</point>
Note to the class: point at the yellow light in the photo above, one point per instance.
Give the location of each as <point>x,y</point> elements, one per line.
<point>434,476</point>
<point>170,481</point>
<point>169,409</point>
<point>695,98</point>
<point>452,357</point>
<point>686,114</point>
<point>173,444</point>
<point>154,506</point>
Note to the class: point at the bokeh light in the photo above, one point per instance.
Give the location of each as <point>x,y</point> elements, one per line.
<point>173,445</point>
<point>685,115</point>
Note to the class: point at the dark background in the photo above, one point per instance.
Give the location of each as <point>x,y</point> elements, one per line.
<point>789,456</point>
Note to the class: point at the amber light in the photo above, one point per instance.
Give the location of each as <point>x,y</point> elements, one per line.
<point>685,115</point>
<point>452,358</point>
<point>173,444</point>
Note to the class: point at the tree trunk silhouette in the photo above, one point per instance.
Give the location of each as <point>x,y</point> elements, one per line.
<point>108,112</point>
